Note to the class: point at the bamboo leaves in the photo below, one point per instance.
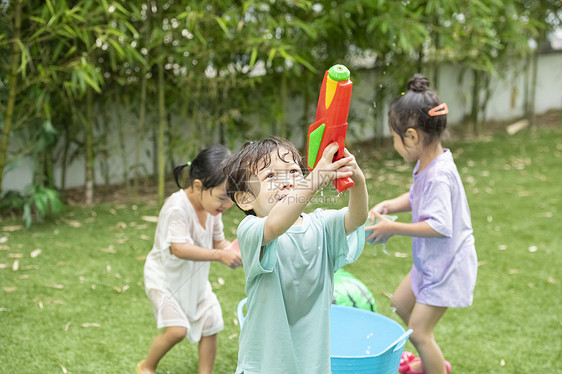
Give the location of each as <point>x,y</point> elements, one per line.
<point>225,62</point>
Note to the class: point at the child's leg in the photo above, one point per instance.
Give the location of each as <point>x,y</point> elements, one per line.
<point>207,353</point>
<point>423,320</point>
<point>403,299</point>
<point>161,345</point>
<point>212,323</point>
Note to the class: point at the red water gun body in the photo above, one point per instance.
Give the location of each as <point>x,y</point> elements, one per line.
<point>330,124</point>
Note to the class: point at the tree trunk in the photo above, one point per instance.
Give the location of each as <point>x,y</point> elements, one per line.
<point>526,85</point>
<point>140,134</point>
<point>420,61</point>
<point>436,73</point>
<point>222,133</point>
<point>222,125</point>
<point>12,81</point>
<point>475,102</point>
<point>64,160</point>
<point>533,87</point>
<point>50,167</point>
<point>88,128</point>
<point>68,136</point>
<point>104,148</point>
<point>484,103</point>
<point>437,43</point>
<point>122,143</point>
<point>282,124</point>
<point>379,118</point>
<point>308,119</point>
<point>168,140</point>
<point>380,92</point>
<point>161,132</point>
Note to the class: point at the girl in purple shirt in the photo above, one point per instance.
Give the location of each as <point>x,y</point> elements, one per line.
<point>444,271</point>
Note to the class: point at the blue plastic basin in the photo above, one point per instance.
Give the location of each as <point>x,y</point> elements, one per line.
<point>365,342</point>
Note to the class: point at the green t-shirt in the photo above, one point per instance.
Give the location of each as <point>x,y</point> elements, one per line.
<point>290,290</point>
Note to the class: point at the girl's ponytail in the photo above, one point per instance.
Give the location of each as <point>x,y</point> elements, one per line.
<point>207,167</point>
<point>418,83</point>
<point>177,173</point>
<point>419,108</point>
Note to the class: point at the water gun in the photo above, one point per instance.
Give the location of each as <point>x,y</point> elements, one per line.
<point>330,124</point>
<point>234,246</point>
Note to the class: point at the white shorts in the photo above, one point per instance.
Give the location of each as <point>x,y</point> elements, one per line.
<point>168,313</point>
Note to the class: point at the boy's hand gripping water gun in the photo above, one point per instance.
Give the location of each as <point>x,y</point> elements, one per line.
<point>330,124</point>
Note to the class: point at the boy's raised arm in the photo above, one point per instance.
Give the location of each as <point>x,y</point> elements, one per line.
<point>284,214</point>
<point>358,199</point>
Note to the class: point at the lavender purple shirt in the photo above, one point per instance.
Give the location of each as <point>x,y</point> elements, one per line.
<point>444,269</point>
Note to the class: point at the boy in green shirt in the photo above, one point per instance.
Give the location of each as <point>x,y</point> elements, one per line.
<point>290,257</point>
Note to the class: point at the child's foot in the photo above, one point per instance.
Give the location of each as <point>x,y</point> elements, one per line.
<point>405,360</point>
<point>142,370</point>
<point>416,367</point>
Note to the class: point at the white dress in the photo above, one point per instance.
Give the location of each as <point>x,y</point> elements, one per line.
<point>180,290</point>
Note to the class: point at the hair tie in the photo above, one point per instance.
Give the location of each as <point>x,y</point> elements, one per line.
<point>439,110</point>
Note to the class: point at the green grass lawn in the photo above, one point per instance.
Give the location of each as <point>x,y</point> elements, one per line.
<point>78,304</point>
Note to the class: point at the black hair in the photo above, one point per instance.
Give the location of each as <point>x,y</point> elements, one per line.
<point>207,167</point>
<point>253,157</point>
<point>410,110</point>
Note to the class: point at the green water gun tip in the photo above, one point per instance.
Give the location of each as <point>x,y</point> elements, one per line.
<point>339,73</point>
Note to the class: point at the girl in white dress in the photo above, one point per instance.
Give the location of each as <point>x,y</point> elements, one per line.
<point>189,235</point>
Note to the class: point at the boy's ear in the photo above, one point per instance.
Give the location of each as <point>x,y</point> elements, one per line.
<point>411,137</point>
<point>245,200</point>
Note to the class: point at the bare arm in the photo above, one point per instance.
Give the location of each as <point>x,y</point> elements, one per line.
<point>357,213</point>
<point>387,228</point>
<point>397,205</point>
<point>285,213</point>
<point>221,244</point>
<point>195,253</point>
<point>418,230</point>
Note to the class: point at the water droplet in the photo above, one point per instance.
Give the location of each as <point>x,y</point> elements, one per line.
<point>384,249</point>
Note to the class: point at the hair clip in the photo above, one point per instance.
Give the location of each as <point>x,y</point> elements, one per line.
<point>439,110</point>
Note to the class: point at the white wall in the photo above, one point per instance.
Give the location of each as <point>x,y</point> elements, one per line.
<point>506,103</point>
<point>17,178</point>
<point>549,83</point>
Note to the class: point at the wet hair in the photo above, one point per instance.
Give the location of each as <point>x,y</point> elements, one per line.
<point>253,157</point>
<point>206,166</point>
<point>410,110</point>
